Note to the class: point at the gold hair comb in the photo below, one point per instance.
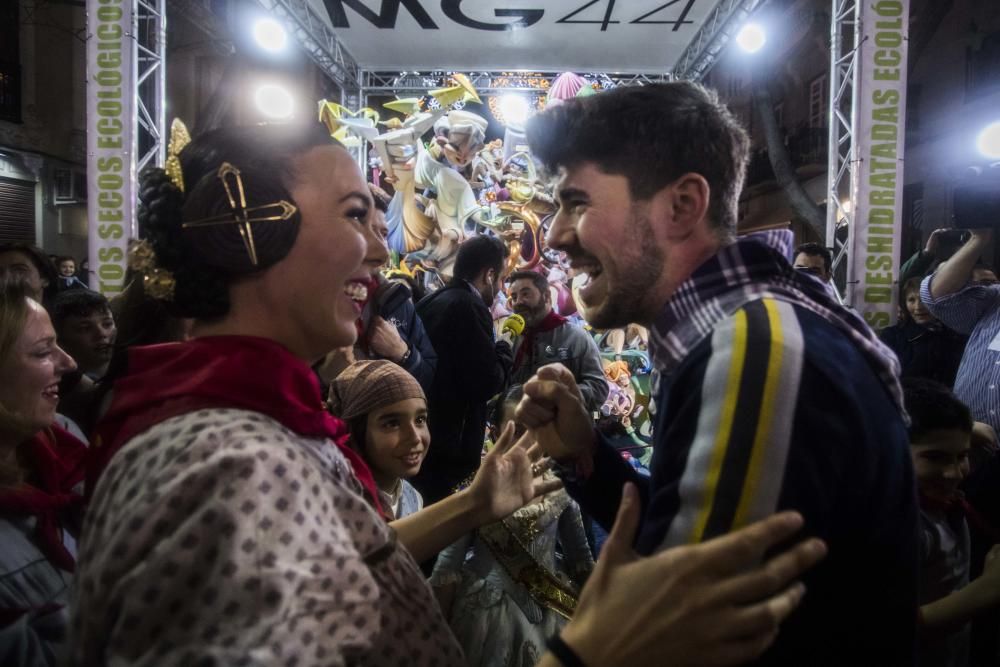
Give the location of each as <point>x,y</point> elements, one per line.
<point>156,282</point>
<point>179,138</point>
<point>242,216</point>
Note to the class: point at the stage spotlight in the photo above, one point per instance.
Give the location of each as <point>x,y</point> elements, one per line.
<point>270,35</point>
<point>274,101</point>
<point>988,141</point>
<point>751,38</point>
<point>515,109</point>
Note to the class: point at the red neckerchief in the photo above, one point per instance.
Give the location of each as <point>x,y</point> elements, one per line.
<point>58,463</point>
<point>958,504</point>
<point>551,321</point>
<point>241,372</point>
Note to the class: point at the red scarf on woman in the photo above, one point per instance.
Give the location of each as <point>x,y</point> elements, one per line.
<point>551,321</point>
<point>241,372</point>
<point>58,463</point>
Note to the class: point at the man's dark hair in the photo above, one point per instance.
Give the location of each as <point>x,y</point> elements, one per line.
<point>479,253</point>
<point>540,282</point>
<point>932,407</point>
<point>816,250</point>
<point>652,135</point>
<point>77,303</point>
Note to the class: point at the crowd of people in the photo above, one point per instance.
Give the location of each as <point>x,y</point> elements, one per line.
<point>270,449</point>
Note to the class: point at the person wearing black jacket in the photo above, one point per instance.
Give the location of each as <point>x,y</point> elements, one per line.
<point>926,348</point>
<point>472,366</point>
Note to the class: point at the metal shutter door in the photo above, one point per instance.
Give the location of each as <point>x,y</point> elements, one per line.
<point>17,210</point>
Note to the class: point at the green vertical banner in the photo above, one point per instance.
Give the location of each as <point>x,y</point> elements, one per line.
<point>110,157</point>
<point>877,180</point>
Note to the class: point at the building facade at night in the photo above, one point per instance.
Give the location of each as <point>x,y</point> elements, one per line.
<point>953,92</point>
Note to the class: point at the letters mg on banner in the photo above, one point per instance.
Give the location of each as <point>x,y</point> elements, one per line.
<point>873,264</point>
<point>110,163</point>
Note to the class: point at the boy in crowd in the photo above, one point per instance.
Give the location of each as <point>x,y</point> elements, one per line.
<point>86,329</point>
<point>940,435</point>
<point>67,274</point>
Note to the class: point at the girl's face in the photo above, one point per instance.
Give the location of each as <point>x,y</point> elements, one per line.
<point>918,311</point>
<point>396,440</point>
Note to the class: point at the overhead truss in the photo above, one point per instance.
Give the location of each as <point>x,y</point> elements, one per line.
<point>712,37</point>
<point>845,36</point>
<point>320,42</point>
<point>488,83</point>
<point>149,84</point>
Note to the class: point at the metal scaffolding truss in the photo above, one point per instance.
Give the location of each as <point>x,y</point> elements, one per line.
<point>149,83</point>
<point>845,39</point>
<point>402,83</point>
<point>713,36</point>
<point>320,42</point>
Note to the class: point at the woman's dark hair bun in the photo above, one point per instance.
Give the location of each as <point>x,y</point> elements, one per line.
<point>224,246</point>
<point>206,259</point>
<point>200,291</point>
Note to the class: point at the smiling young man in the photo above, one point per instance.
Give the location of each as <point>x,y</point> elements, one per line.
<point>769,395</point>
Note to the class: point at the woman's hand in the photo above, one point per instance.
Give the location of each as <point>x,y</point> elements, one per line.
<point>508,478</point>
<point>710,604</point>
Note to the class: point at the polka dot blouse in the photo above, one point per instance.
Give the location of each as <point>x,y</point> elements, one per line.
<point>222,538</point>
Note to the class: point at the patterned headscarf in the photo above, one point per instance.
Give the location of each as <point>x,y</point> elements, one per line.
<point>366,386</point>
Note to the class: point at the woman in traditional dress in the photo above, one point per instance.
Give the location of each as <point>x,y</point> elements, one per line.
<point>233,524</point>
<point>509,596</point>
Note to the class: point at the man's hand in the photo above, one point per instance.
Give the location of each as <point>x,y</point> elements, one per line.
<point>553,408</point>
<point>982,237</point>
<point>710,604</point>
<point>385,341</point>
<point>934,241</point>
<point>984,437</point>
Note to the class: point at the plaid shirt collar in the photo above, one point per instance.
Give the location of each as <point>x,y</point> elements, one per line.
<point>754,267</point>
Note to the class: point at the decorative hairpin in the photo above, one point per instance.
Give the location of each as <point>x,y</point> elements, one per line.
<point>179,138</point>
<point>243,216</point>
<point>156,282</point>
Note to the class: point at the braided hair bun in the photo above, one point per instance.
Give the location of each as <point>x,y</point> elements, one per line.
<point>205,260</point>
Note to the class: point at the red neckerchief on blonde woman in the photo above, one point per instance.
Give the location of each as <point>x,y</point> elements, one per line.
<point>241,372</point>
<point>58,464</point>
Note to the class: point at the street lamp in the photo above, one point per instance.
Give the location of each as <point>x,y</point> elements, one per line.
<point>751,38</point>
<point>274,101</point>
<point>988,141</point>
<point>270,35</point>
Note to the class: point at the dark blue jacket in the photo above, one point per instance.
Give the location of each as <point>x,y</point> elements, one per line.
<point>422,361</point>
<point>752,422</point>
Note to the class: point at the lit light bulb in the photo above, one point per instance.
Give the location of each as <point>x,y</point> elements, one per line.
<point>751,38</point>
<point>270,35</point>
<point>988,141</point>
<point>274,101</point>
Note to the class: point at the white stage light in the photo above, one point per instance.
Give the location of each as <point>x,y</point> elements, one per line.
<point>988,141</point>
<point>274,101</point>
<point>270,35</point>
<point>515,109</point>
<point>751,38</point>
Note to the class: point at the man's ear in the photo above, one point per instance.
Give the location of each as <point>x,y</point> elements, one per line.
<point>682,205</point>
